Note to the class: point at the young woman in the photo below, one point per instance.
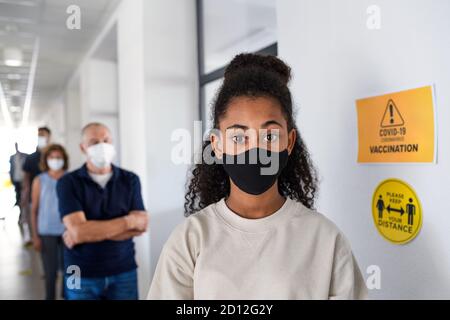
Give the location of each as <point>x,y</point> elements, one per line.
<point>45,219</point>
<point>253,233</point>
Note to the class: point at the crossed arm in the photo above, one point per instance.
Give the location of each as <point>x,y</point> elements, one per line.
<point>80,230</point>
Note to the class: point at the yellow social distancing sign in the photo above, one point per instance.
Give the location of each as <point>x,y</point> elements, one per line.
<point>397,127</point>
<point>396,211</point>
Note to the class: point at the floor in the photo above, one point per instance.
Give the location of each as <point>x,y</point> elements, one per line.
<point>21,276</point>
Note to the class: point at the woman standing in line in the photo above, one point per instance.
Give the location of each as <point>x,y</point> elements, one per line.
<point>46,222</point>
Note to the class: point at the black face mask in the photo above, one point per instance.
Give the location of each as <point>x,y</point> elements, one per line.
<point>255,170</point>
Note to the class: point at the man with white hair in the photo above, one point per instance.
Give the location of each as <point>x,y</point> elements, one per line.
<point>102,209</point>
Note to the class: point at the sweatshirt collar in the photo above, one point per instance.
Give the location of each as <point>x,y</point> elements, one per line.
<point>251,225</point>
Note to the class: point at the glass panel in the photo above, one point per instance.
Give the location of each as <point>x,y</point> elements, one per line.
<point>234,26</point>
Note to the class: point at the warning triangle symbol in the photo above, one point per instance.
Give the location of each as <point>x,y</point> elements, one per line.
<point>392,116</point>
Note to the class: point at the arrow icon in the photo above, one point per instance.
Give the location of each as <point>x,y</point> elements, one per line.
<point>401,211</point>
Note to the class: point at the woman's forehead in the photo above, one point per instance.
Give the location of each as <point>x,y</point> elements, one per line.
<point>252,112</point>
<point>54,153</point>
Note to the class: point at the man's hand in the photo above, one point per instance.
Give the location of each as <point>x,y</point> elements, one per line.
<point>80,230</point>
<point>137,220</point>
<point>126,235</point>
<point>68,240</point>
<point>137,224</point>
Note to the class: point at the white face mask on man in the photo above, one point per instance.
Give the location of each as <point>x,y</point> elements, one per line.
<point>101,154</point>
<point>55,164</point>
<point>42,142</point>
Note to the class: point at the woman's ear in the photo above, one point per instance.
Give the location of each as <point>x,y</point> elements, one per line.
<point>216,143</point>
<point>292,138</point>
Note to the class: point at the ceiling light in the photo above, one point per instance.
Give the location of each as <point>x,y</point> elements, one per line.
<point>15,109</point>
<point>14,76</point>
<point>15,93</point>
<point>12,57</point>
<point>11,28</point>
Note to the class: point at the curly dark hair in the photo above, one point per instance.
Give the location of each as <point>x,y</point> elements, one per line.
<point>253,75</point>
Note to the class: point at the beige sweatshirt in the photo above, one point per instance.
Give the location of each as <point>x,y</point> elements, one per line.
<point>295,253</point>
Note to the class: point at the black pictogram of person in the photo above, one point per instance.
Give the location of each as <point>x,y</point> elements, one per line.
<point>380,207</point>
<point>411,211</point>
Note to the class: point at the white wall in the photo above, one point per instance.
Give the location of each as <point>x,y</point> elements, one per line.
<point>73,122</point>
<point>55,120</point>
<point>335,60</point>
<point>99,96</point>
<point>171,103</point>
<point>132,115</point>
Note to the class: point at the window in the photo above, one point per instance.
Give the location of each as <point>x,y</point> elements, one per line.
<point>226,28</point>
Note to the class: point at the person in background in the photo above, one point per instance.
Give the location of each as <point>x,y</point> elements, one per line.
<point>31,168</point>
<point>47,228</point>
<point>102,209</point>
<point>16,162</point>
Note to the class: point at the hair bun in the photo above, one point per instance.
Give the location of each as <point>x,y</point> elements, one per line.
<point>266,62</point>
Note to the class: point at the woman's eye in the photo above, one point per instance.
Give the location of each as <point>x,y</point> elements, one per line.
<point>271,137</point>
<point>238,139</point>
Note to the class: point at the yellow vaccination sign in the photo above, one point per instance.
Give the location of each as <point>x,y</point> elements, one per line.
<point>397,127</point>
<point>396,211</point>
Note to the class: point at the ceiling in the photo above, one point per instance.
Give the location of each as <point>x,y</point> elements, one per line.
<point>243,25</point>
<point>61,49</point>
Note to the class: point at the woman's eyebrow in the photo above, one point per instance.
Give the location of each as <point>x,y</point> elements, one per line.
<point>238,126</point>
<point>271,122</point>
